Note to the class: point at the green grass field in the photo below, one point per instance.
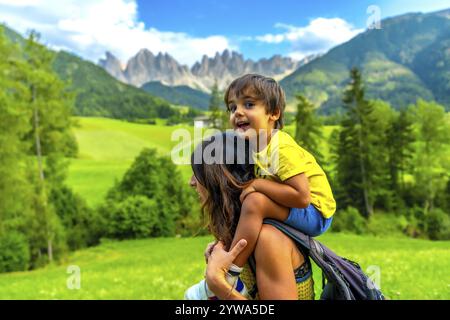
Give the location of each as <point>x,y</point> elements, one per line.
<point>162,268</point>
<point>107,148</point>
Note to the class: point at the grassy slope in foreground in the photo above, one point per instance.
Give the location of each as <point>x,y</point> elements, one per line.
<point>162,268</point>
<point>107,148</point>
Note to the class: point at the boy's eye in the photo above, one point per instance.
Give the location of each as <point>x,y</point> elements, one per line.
<point>249,104</point>
<point>232,108</point>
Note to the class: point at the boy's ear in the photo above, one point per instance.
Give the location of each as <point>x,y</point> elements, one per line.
<point>275,115</point>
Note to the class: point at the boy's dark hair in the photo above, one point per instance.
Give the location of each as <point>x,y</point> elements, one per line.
<point>262,88</point>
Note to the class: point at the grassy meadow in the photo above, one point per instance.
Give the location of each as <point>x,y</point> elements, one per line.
<point>162,268</point>
<point>107,148</point>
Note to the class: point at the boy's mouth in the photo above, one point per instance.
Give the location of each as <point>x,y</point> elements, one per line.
<point>242,125</point>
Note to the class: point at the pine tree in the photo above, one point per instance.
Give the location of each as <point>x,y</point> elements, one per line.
<point>378,126</point>
<point>355,161</point>
<point>400,149</point>
<point>308,127</point>
<point>14,190</point>
<point>430,164</point>
<point>50,138</point>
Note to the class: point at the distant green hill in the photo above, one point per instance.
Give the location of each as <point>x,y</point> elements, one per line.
<point>181,95</point>
<point>408,58</point>
<point>98,93</point>
<point>12,35</point>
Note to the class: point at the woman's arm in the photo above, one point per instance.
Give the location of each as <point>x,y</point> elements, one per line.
<point>276,257</point>
<point>292,193</point>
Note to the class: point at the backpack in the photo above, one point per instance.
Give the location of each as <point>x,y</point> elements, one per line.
<point>342,279</point>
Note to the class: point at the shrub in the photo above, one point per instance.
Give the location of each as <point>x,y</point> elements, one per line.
<point>349,220</point>
<point>82,224</point>
<point>194,224</point>
<point>14,252</point>
<point>135,217</point>
<point>438,224</point>
<point>416,225</point>
<point>155,177</point>
<point>385,224</point>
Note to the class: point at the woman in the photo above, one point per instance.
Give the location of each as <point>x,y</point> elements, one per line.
<point>221,171</point>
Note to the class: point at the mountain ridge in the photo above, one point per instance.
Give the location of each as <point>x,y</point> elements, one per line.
<point>146,67</point>
<point>408,58</point>
<point>97,92</point>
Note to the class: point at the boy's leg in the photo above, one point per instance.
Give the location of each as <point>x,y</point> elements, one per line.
<point>308,220</point>
<point>255,209</point>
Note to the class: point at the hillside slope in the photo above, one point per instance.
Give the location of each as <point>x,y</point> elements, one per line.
<point>180,95</point>
<point>408,58</point>
<point>98,93</point>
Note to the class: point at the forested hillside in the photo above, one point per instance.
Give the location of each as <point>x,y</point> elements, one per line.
<point>408,58</point>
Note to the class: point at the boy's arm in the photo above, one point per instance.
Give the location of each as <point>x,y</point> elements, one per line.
<point>292,193</point>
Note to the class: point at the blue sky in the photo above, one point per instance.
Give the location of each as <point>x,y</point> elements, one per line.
<point>191,28</point>
<point>254,17</point>
<point>236,19</point>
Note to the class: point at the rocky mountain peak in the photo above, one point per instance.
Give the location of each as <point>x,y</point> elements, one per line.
<point>113,65</point>
<point>222,67</point>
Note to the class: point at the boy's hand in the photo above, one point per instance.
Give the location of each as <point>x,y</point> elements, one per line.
<point>251,188</point>
<point>209,249</point>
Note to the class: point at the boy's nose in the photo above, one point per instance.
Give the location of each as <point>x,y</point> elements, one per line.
<point>239,111</point>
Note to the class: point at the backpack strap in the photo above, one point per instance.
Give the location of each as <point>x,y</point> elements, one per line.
<point>314,249</point>
<point>342,279</point>
<point>299,237</point>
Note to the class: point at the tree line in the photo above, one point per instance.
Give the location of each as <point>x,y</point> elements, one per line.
<point>383,160</point>
<point>393,162</point>
<point>35,138</point>
<point>41,218</point>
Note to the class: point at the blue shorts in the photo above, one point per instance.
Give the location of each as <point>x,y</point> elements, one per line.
<point>308,220</point>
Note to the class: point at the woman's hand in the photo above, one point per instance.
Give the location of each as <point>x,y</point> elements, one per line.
<point>218,264</point>
<point>209,249</point>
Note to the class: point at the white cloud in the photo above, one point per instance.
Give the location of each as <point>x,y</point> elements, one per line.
<point>91,27</point>
<point>319,35</point>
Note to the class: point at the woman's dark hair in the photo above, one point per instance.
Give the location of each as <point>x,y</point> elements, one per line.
<point>222,165</point>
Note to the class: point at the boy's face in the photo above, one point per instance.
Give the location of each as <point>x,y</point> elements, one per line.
<point>248,116</point>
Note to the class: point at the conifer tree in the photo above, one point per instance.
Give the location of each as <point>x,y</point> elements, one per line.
<point>308,127</point>
<point>400,149</point>
<point>50,139</point>
<point>355,161</point>
<point>14,190</point>
<point>430,163</point>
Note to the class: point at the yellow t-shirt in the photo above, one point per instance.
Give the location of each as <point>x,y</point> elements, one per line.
<point>283,158</point>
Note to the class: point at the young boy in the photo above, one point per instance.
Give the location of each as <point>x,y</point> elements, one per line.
<point>290,185</point>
